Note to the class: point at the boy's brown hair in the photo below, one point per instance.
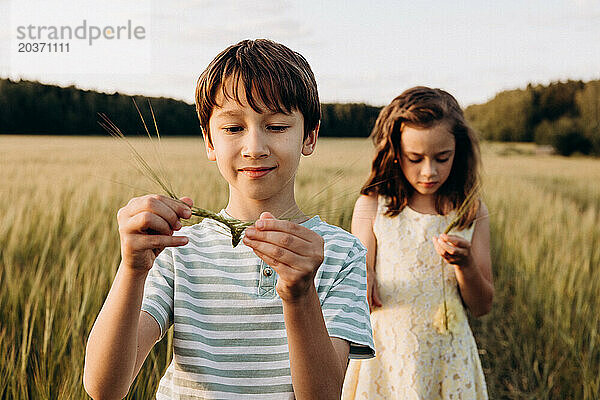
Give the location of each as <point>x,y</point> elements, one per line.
<point>273,77</point>
<point>421,107</point>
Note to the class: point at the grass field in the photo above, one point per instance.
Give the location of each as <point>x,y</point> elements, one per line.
<point>59,251</point>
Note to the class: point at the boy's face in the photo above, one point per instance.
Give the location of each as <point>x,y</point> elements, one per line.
<point>257,153</point>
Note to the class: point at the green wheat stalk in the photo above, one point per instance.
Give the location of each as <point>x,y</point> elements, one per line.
<point>236,227</point>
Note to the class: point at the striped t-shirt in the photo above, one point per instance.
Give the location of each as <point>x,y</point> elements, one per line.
<point>229,334</point>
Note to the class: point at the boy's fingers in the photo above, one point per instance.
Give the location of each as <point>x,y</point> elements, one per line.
<point>288,241</point>
<point>282,270</point>
<point>181,208</point>
<point>187,200</point>
<point>277,254</point>
<point>157,241</point>
<point>266,215</point>
<point>146,221</point>
<point>161,207</point>
<point>271,224</point>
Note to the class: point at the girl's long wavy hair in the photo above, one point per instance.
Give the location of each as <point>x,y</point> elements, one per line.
<point>421,108</point>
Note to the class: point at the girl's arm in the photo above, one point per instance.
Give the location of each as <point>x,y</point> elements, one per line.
<point>363,217</point>
<point>472,264</point>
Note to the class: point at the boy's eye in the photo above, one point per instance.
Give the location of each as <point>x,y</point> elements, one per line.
<point>232,129</point>
<point>277,128</point>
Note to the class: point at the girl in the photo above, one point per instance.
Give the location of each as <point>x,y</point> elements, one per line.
<point>426,164</point>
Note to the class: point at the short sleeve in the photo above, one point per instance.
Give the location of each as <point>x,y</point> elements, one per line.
<point>158,291</point>
<point>346,309</point>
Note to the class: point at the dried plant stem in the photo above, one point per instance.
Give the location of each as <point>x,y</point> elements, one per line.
<point>462,210</point>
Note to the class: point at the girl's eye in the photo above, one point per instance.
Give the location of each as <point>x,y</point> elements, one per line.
<point>443,160</point>
<point>415,160</point>
<point>277,128</point>
<point>232,129</point>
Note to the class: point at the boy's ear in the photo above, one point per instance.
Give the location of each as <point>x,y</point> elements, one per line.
<point>311,141</point>
<point>210,149</point>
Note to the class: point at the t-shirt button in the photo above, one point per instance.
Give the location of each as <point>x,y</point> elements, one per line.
<point>267,271</point>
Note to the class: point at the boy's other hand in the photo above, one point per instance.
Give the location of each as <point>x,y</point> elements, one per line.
<point>295,252</point>
<point>146,226</point>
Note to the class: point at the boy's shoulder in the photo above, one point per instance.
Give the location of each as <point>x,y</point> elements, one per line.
<point>337,239</point>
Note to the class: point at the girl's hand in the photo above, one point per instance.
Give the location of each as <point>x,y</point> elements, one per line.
<point>295,252</point>
<point>146,226</point>
<point>454,249</point>
<point>372,291</point>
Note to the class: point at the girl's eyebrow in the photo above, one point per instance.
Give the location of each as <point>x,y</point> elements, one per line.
<point>441,153</point>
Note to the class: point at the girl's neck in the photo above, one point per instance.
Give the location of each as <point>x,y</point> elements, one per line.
<point>425,204</point>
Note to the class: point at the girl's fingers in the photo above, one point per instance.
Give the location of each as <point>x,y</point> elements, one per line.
<point>448,247</point>
<point>454,240</point>
<point>375,297</point>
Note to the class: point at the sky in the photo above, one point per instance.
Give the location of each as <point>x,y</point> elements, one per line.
<point>359,51</point>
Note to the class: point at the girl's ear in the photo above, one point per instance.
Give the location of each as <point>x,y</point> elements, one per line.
<point>210,149</point>
<point>311,141</point>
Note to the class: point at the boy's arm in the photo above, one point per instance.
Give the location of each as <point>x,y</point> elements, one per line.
<point>317,362</point>
<point>120,340</point>
<point>122,335</point>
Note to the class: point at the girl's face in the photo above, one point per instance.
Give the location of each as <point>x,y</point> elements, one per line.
<point>426,157</point>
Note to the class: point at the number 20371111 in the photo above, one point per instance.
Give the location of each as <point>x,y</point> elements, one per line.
<point>43,47</point>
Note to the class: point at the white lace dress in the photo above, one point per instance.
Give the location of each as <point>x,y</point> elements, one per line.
<point>416,356</point>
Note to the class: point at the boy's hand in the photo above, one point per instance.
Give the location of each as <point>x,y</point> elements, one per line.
<point>146,226</point>
<point>454,249</point>
<point>295,252</point>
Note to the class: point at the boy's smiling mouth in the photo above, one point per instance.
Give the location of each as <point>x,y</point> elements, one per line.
<point>256,172</point>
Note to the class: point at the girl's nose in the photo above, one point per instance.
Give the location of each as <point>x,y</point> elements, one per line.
<point>255,144</point>
<point>429,169</point>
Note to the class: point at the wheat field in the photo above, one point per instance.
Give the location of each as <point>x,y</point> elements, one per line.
<point>59,251</point>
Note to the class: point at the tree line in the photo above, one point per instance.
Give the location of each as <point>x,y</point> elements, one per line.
<point>565,115</point>
<point>28,107</point>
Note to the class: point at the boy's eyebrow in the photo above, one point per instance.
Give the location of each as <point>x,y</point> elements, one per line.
<point>229,113</point>
<point>237,113</point>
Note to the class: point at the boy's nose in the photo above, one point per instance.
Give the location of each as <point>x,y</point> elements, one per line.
<point>255,145</point>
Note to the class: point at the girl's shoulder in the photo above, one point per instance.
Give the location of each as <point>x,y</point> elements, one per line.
<point>366,206</point>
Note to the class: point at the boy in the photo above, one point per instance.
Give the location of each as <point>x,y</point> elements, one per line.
<point>275,317</point>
